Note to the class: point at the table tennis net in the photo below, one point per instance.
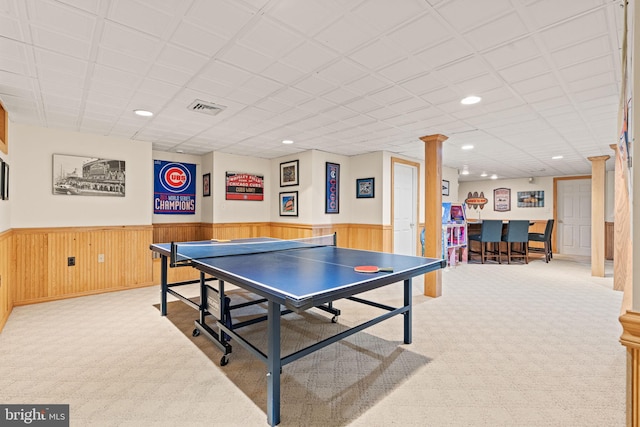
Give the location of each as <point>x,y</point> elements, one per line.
<point>189,251</point>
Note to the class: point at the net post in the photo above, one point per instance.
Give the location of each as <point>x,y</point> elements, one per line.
<point>173,255</point>
<point>335,238</point>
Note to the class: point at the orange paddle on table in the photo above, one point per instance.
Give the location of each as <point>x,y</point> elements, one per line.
<point>371,269</point>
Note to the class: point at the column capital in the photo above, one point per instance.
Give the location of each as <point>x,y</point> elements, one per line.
<point>599,158</point>
<point>434,138</point>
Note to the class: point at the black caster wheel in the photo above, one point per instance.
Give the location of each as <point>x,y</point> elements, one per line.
<point>196,332</point>
<point>224,360</point>
<point>334,319</point>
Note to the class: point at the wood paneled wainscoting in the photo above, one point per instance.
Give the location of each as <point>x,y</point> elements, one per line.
<point>6,262</point>
<point>106,259</point>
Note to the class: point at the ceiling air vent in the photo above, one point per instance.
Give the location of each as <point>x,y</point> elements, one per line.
<point>206,107</point>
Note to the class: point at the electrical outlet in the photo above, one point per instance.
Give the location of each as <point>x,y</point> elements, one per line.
<point>71,261</point>
<point>100,257</point>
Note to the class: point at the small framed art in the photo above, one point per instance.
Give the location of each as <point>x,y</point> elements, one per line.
<point>365,188</point>
<point>289,173</point>
<point>206,184</point>
<point>445,187</point>
<point>289,203</point>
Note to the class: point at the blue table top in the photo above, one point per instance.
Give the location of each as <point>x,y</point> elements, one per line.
<point>301,277</point>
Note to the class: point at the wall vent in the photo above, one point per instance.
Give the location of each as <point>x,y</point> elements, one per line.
<point>206,107</point>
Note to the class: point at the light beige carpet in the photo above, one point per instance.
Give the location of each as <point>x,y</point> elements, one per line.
<point>506,345</point>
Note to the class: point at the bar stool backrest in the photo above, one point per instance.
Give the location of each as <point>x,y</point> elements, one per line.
<point>548,229</point>
<point>518,231</point>
<point>491,230</point>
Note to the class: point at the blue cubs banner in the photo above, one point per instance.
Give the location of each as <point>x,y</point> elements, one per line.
<point>174,188</point>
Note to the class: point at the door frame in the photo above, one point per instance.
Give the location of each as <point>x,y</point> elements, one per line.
<point>418,227</point>
<point>554,241</point>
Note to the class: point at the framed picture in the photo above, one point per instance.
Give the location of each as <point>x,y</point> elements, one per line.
<point>289,203</point>
<point>502,199</point>
<point>5,181</point>
<point>1,179</point>
<point>445,187</point>
<point>365,188</point>
<point>244,186</point>
<point>289,173</point>
<point>530,199</point>
<point>88,176</point>
<point>332,195</point>
<point>206,184</point>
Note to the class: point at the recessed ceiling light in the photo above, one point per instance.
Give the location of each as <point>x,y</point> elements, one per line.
<point>143,113</point>
<point>494,176</point>
<point>179,151</point>
<point>483,174</point>
<point>465,170</point>
<point>287,141</point>
<point>470,100</point>
<point>556,157</point>
<point>467,147</point>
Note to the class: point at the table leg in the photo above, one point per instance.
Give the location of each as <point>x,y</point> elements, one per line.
<point>407,314</point>
<point>163,285</point>
<point>273,364</point>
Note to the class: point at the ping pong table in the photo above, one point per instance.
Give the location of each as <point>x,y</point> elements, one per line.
<point>288,276</point>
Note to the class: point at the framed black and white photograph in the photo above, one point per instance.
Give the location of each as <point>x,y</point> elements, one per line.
<point>206,185</point>
<point>365,188</point>
<point>445,187</point>
<point>289,173</point>
<point>88,176</point>
<point>289,203</point>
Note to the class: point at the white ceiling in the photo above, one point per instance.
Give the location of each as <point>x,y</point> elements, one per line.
<point>343,76</point>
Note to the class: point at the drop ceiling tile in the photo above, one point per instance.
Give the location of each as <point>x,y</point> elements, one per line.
<point>344,35</point>
<point>268,37</point>
<point>516,52</point>
<point>581,52</point>
<point>260,86</point>
<point>576,30</point>
<point>502,30</point>
<point>245,58</point>
<point>465,14</point>
<point>544,94</point>
<point>9,25</point>
<point>282,73</point>
<point>376,54</point>
<point>409,104</point>
<point>444,53</point>
<point>306,17</point>
<point>362,105</point>
<point>182,59</point>
<point>525,70</point>
<point>341,72</point>
<point>383,15</point>
<point>462,70</point>
<point>314,85</point>
<point>404,69</point>
<point>61,19</point>
<point>593,82</point>
<point>222,17</point>
<point>193,37</point>
<point>424,83</point>
<point>587,69</point>
<point>340,95</point>
<point>122,61</point>
<point>480,84</point>
<point>169,74</point>
<point>538,11</point>
<point>291,96</point>
<point>596,93</point>
<point>61,43</point>
<point>441,96</point>
<point>389,95</point>
<point>142,17</point>
<point>367,85</point>
<point>308,57</point>
<point>533,84</point>
<point>418,34</point>
<point>130,42</point>
<point>227,74</point>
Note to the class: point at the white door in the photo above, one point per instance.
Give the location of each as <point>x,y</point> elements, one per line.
<point>405,181</point>
<point>574,217</point>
